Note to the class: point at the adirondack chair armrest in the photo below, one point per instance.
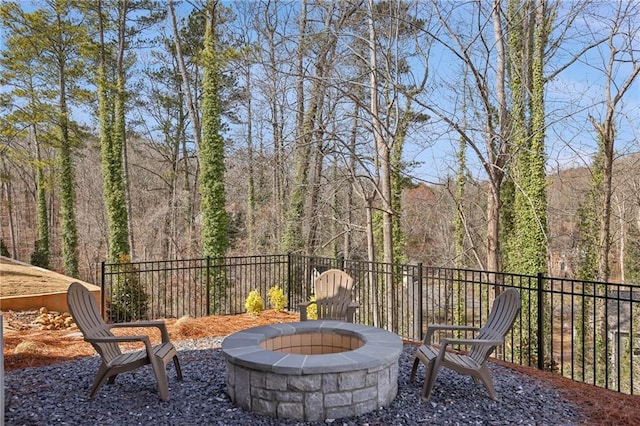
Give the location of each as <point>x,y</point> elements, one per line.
<point>468,342</point>
<point>145,324</point>
<point>123,339</point>
<point>432,328</point>
<point>352,307</point>
<point>116,339</point>
<point>302,306</point>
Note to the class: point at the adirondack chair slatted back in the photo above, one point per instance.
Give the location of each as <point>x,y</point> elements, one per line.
<point>86,314</point>
<point>501,318</point>
<point>333,294</point>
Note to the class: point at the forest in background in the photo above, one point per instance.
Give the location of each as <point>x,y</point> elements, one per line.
<point>317,109</point>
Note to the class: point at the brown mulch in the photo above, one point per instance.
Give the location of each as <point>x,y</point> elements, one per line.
<point>52,346</point>
<point>600,406</point>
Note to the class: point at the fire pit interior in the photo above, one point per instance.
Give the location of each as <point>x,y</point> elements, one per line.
<point>312,370</point>
<point>313,343</point>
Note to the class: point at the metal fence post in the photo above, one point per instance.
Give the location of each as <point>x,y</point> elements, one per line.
<point>102,289</point>
<point>289,279</point>
<point>541,322</point>
<point>420,311</point>
<point>208,283</point>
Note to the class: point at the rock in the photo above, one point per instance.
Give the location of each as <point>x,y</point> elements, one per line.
<point>53,320</point>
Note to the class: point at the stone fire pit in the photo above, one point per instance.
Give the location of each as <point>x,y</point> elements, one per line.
<point>312,370</point>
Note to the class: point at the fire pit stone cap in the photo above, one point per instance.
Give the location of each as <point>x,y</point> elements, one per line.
<point>243,348</point>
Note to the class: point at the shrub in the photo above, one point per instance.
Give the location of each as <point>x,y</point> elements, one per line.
<point>277,298</point>
<point>253,304</point>
<point>4,250</point>
<point>130,301</point>
<point>40,255</point>
<point>312,309</point>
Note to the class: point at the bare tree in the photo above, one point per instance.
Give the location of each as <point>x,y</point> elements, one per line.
<point>622,55</point>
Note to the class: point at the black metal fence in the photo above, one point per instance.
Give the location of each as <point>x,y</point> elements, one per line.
<point>588,331</point>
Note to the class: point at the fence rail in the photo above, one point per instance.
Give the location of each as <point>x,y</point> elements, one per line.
<point>585,330</point>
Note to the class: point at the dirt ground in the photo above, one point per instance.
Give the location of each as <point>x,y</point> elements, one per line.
<point>27,345</point>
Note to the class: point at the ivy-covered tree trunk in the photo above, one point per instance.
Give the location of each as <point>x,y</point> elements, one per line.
<point>211,154</point>
<point>292,240</point>
<point>215,239</point>
<point>528,26</point>
<point>67,199</point>
<point>186,90</point>
<point>459,232</point>
<point>528,32</point>
<point>40,257</point>
<point>67,179</point>
<point>111,157</point>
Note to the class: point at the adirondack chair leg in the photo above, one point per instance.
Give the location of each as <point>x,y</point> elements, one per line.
<point>160,372</point>
<point>101,376</point>
<point>176,363</point>
<point>432,368</point>
<point>414,369</point>
<point>484,375</point>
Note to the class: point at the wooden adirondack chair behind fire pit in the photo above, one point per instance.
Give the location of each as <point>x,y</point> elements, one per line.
<point>332,289</point>
<point>85,312</point>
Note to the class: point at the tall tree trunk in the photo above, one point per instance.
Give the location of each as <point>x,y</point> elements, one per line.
<point>215,222</point>
<point>42,245</point>
<point>374,290</point>
<point>67,179</point>
<point>292,238</point>
<point>494,202</point>
<point>186,80</point>
<point>383,160</point>
<point>348,202</point>
<point>6,186</point>
<point>120,136</point>
<point>306,129</point>
<point>111,152</point>
<point>251,190</point>
<point>314,195</point>
<point>190,100</point>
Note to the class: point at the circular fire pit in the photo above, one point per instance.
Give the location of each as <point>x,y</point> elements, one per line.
<point>312,370</point>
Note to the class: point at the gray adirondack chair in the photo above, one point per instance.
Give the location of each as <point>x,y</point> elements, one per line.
<point>332,289</point>
<point>85,312</point>
<point>501,318</point>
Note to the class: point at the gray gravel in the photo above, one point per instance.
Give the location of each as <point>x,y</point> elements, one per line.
<point>57,395</point>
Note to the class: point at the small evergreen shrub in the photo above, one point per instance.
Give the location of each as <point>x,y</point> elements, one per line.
<point>40,255</point>
<point>277,298</point>
<point>4,250</point>
<point>130,301</point>
<point>253,304</point>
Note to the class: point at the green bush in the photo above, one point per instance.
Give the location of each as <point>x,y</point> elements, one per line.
<point>40,255</point>
<point>4,250</point>
<point>130,301</point>
<point>277,298</point>
<point>253,304</point>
